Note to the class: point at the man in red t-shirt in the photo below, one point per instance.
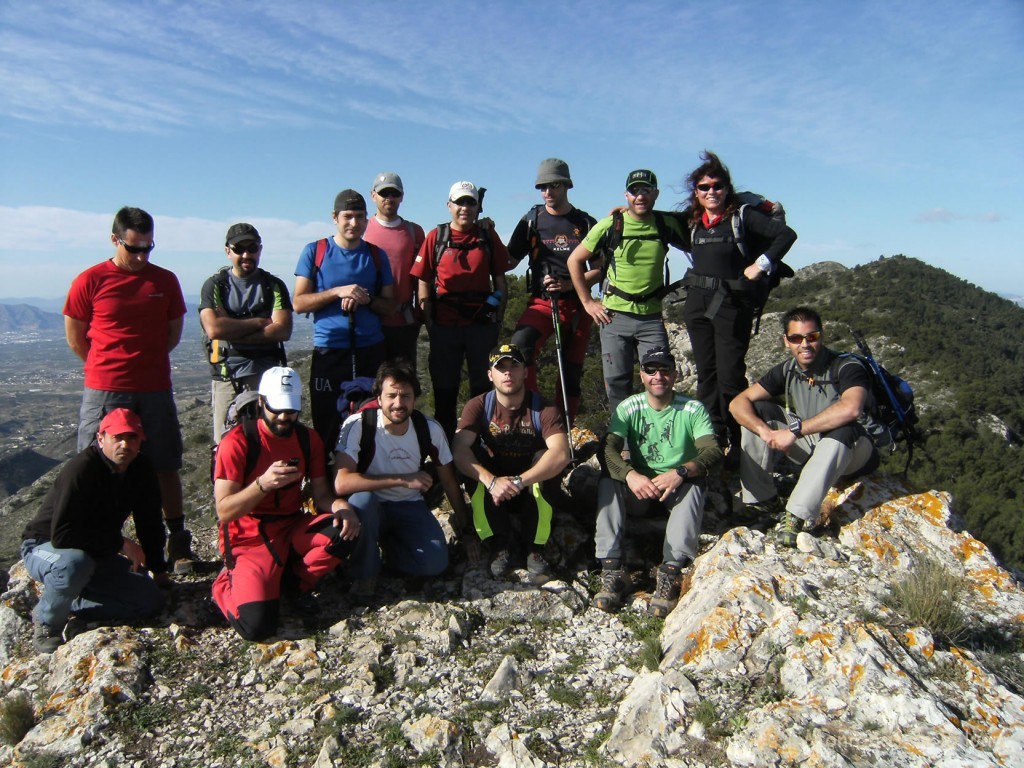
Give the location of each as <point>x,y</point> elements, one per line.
<point>401,240</point>
<point>266,537</point>
<point>463,295</point>
<point>509,444</point>
<point>123,317</point>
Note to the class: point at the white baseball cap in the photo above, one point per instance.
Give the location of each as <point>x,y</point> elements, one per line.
<point>462,189</point>
<point>281,389</point>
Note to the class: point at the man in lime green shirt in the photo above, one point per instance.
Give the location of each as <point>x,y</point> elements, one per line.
<point>671,447</point>
<point>629,314</point>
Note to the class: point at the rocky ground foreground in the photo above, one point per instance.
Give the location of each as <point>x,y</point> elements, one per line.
<point>773,657</point>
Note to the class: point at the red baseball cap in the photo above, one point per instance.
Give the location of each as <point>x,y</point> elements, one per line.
<point>121,421</point>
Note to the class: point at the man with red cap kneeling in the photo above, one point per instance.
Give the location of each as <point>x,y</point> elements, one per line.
<point>74,545</point>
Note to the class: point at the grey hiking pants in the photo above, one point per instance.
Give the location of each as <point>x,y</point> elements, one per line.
<point>823,458</point>
<point>623,342</point>
<point>685,513</point>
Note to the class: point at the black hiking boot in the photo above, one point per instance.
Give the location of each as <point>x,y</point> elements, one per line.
<point>615,585</point>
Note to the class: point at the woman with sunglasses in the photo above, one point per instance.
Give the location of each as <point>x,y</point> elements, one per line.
<point>723,284</point>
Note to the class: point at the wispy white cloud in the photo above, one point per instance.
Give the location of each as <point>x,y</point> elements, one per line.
<point>946,216</point>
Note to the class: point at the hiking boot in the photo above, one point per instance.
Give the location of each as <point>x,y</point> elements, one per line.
<point>666,593</point>
<point>179,552</point>
<point>363,591</point>
<point>46,639</point>
<point>501,564</point>
<point>789,526</point>
<point>74,628</point>
<point>615,585</point>
<point>760,510</point>
<point>538,568</point>
<point>304,603</point>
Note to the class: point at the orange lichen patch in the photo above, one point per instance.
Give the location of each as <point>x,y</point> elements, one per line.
<point>822,637</point>
<point>718,632</point>
<point>85,669</point>
<point>882,549</point>
<point>927,649</point>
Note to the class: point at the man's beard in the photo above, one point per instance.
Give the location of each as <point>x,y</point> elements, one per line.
<point>280,429</point>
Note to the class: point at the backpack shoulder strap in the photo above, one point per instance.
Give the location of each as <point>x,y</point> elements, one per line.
<point>375,255</point>
<point>662,226</point>
<point>302,435</point>
<point>737,230</point>
<point>427,449</point>
<point>536,405</point>
<point>367,440</point>
<point>251,432</point>
<point>318,257</point>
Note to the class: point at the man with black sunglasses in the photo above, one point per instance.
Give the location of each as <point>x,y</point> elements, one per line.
<point>816,427</point>
<point>672,448</point>
<point>246,313</point>
<point>400,239</point>
<point>123,317</point>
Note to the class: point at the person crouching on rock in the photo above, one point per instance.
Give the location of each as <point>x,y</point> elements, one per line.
<point>74,545</point>
<point>266,537</point>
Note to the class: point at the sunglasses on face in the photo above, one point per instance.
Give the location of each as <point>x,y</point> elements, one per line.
<point>653,370</point>
<point>797,338</point>
<point>717,186</point>
<point>552,185</point>
<point>246,248</point>
<point>640,189</point>
<point>389,193</point>
<point>285,411</point>
<point>136,248</point>
<point>465,202</point>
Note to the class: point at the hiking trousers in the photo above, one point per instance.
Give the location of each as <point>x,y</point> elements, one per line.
<point>329,369</point>
<point>257,558</point>
<point>449,346</point>
<point>623,342</point>
<point>685,514</point>
<point>404,534</point>
<point>532,333</point>
<point>719,355</point>
<point>823,459</point>
<point>93,588</point>
<point>495,521</point>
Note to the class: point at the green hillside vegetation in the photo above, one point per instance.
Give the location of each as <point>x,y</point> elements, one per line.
<point>962,349</point>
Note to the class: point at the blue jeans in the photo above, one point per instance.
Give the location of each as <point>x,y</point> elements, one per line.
<point>407,534</point>
<point>93,588</point>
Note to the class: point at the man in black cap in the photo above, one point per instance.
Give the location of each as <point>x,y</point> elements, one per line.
<point>246,313</point>
<point>508,444</point>
<point>546,235</point>
<point>633,247</point>
<point>671,447</point>
<point>347,284</point>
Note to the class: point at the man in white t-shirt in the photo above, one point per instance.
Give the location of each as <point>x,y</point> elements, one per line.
<point>386,478</point>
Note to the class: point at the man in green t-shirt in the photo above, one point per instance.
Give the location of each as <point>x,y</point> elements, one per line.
<point>629,314</point>
<point>671,447</point>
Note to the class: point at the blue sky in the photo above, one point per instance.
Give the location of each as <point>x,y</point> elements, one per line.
<point>884,127</point>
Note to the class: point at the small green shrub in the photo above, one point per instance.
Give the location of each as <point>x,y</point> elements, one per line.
<point>929,597</point>
<point>704,713</point>
<point>16,719</point>
<point>651,653</point>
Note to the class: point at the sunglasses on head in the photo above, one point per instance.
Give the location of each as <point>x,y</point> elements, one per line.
<point>389,193</point>
<point>798,338</point>
<point>136,248</point>
<point>717,186</point>
<point>246,248</point>
<point>651,370</point>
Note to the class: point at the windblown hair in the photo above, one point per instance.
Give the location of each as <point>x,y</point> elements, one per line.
<point>715,168</point>
<point>132,218</point>
<point>800,315</point>
<point>399,371</point>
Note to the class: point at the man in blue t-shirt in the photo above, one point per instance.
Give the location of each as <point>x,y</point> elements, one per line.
<point>347,292</point>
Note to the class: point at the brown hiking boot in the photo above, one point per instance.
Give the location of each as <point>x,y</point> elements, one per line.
<point>666,593</point>
<point>615,585</point>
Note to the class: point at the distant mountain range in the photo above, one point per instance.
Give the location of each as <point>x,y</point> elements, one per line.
<point>24,318</point>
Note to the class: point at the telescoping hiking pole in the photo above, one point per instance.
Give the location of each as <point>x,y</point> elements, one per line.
<point>553,300</point>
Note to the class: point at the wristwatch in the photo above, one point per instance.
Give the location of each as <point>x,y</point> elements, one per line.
<point>683,473</point>
<point>796,427</point>
<point>517,481</point>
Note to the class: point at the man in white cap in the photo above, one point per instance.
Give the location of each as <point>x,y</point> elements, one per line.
<point>546,235</point>
<point>74,546</point>
<point>401,241</point>
<point>461,268</point>
<point>268,540</point>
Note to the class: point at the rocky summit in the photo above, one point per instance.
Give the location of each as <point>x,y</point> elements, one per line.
<point>889,638</point>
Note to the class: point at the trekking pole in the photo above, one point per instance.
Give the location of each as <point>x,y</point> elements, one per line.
<point>553,300</point>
